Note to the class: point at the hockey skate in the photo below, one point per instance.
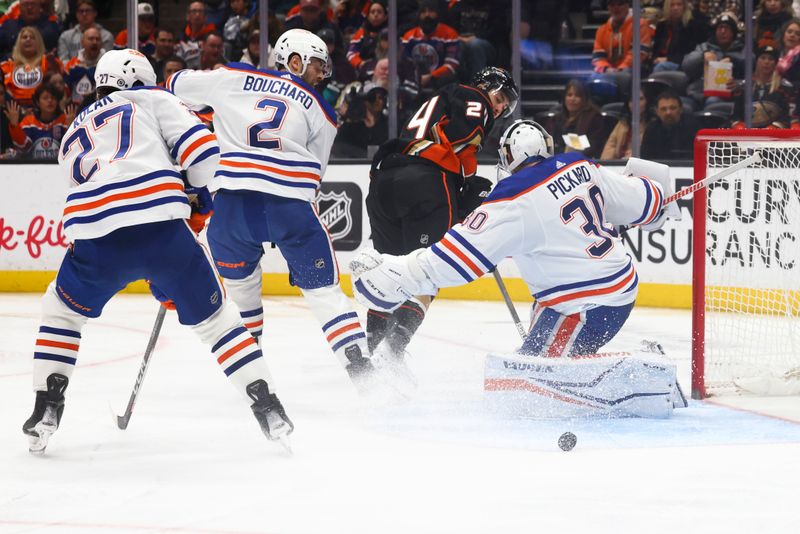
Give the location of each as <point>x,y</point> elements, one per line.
<point>392,364</point>
<point>46,413</point>
<point>270,414</point>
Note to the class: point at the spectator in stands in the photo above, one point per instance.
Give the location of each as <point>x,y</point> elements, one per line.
<point>362,45</point>
<point>234,29</point>
<point>323,5</point>
<point>196,30</point>
<point>715,8</point>
<point>483,30</point>
<point>172,65</point>
<point>578,115</point>
<point>250,55</point>
<point>770,16</point>
<point>677,34</point>
<point>342,72</point>
<point>313,19</point>
<point>620,142</point>
<point>24,72</point>
<point>216,12</point>
<point>146,25</point>
<point>771,112</point>
<point>165,48</point>
<point>722,46</point>
<point>377,71</point>
<point>363,122</point>
<point>31,14</point>
<point>350,15</point>
<point>789,61</point>
<point>69,44</point>
<point>79,71</point>
<point>670,135</point>
<point>210,53</point>
<point>612,55</point>
<point>541,28</point>
<point>56,79</point>
<point>38,135</point>
<point>433,47</point>
<point>766,81</point>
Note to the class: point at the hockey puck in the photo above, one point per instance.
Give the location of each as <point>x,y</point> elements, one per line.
<point>567,441</point>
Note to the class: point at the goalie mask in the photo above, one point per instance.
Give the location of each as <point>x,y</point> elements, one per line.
<point>523,142</point>
<point>123,69</point>
<point>306,45</point>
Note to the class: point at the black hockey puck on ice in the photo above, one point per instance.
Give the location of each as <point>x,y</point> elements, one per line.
<point>567,441</point>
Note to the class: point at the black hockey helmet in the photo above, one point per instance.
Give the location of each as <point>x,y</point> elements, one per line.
<point>492,79</point>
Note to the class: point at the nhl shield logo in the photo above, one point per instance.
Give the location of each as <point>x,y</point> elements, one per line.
<point>334,210</point>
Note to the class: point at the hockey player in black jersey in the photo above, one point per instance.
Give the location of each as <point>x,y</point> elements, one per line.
<point>423,182</point>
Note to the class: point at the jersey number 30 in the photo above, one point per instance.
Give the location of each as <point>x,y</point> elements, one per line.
<point>83,138</point>
<point>592,212</point>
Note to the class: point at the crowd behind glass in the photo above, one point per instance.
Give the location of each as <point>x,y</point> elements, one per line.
<point>49,49</point>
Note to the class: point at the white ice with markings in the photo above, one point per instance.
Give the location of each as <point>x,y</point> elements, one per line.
<point>193,459</point>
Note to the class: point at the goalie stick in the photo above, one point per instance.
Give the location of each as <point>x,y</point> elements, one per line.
<point>755,158</point>
<point>123,420</point>
<point>510,305</point>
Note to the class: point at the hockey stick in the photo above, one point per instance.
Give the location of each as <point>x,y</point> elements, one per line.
<point>123,420</point>
<point>755,158</point>
<point>511,309</point>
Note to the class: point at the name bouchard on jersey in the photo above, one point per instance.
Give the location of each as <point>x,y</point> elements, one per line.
<point>561,185</point>
<point>278,87</point>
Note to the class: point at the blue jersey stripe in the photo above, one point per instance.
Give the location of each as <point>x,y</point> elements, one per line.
<point>205,155</point>
<point>59,331</point>
<point>238,331</point>
<point>252,313</point>
<point>233,174</point>
<point>54,357</point>
<point>449,261</point>
<point>242,362</point>
<point>576,285</point>
<point>129,207</point>
<point>261,157</point>
<point>647,201</point>
<point>340,318</point>
<point>186,135</point>
<point>120,185</point>
<point>348,339</point>
<point>474,251</point>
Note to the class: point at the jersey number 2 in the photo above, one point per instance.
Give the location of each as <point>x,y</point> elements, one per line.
<point>277,108</point>
<point>83,138</point>
<point>594,221</point>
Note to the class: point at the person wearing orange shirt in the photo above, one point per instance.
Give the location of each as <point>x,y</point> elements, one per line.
<point>24,72</point>
<point>147,39</point>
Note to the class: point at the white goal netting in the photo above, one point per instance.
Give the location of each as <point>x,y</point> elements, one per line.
<point>752,266</point>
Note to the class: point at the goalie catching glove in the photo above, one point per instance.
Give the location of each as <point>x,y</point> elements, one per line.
<point>384,282</point>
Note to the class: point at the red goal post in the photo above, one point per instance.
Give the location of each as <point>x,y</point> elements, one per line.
<point>746,264</point>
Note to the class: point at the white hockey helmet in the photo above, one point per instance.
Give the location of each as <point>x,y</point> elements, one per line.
<point>523,142</point>
<point>303,43</point>
<point>123,69</point>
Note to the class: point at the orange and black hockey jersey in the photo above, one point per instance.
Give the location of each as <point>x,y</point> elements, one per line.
<point>448,129</point>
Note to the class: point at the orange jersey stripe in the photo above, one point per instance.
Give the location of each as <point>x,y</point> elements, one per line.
<point>589,292</point>
<point>230,352</point>
<point>191,148</point>
<point>531,188</point>
<point>509,384</point>
<point>123,196</point>
<point>291,174</point>
<point>452,248</point>
<point>342,330</point>
<point>56,344</point>
<point>253,325</point>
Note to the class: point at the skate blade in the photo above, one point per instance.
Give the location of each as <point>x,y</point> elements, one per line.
<point>37,444</point>
<point>286,443</point>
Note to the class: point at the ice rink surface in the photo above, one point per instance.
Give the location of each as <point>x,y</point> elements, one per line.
<point>194,459</point>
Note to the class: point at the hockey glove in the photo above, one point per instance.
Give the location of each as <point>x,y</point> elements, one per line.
<point>384,282</point>
<point>202,207</point>
<point>472,195</point>
<point>160,296</point>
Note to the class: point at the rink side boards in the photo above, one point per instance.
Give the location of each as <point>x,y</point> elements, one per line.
<point>31,246</point>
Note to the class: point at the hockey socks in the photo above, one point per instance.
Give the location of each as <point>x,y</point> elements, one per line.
<point>378,323</point>
<point>407,319</point>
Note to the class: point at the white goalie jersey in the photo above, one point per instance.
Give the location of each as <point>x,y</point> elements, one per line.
<point>123,157</point>
<point>275,134</point>
<point>556,220</point>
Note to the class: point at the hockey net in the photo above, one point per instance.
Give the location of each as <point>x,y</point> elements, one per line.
<point>746,265</point>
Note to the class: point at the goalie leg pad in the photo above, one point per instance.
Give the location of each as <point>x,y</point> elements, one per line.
<point>613,385</point>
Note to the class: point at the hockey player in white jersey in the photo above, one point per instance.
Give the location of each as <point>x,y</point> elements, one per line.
<point>555,216</point>
<point>275,132</point>
<point>125,216</point>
